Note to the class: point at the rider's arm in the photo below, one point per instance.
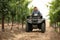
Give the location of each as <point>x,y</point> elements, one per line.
<point>40,14</point>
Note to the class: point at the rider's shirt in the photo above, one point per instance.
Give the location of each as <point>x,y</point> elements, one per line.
<point>35,12</point>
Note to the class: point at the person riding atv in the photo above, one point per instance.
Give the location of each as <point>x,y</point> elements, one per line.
<point>35,10</point>
<point>35,21</point>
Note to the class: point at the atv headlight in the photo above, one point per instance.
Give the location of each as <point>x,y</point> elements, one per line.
<point>29,20</point>
<point>39,20</point>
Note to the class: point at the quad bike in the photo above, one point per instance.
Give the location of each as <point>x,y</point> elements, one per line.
<point>35,21</point>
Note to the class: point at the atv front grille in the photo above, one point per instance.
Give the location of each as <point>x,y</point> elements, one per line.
<point>34,20</point>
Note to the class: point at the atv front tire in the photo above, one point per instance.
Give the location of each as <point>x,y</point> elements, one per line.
<point>28,27</point>
<point>43,28</point>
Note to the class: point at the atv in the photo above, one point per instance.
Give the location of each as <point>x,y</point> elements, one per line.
<point>35,21</point>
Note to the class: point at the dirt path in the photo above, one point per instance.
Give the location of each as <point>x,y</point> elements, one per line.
<point>36,35</point>
<point>50,34</point>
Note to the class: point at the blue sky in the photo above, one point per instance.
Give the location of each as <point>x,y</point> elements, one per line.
<point>41,4</point>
